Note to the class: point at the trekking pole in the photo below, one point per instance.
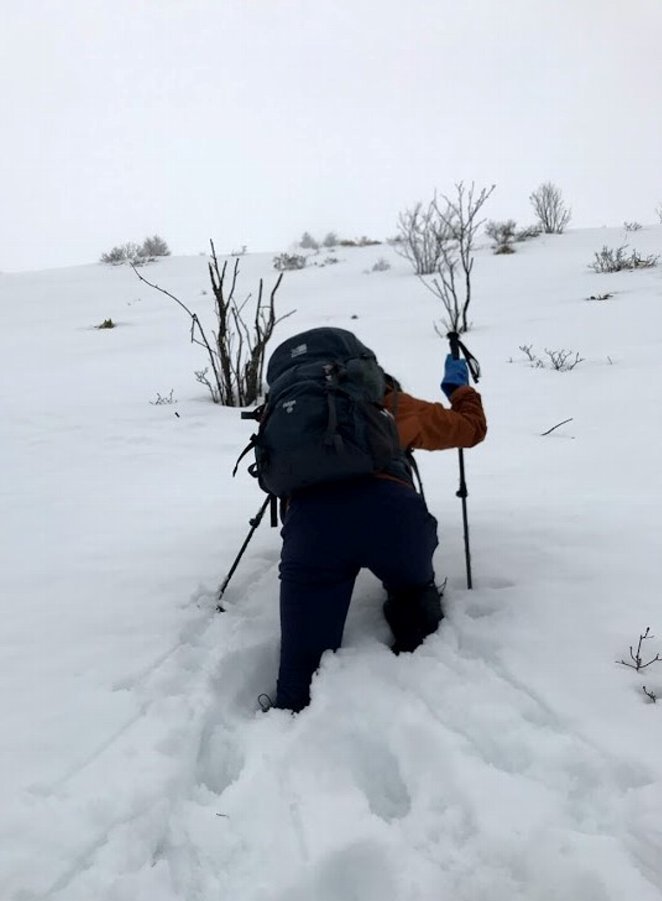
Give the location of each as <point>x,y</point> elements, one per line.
<point>456,345</point>
<point>254,523</point>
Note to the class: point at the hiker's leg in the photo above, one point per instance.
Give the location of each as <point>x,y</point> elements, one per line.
<point>312,616</point>
<point>399,549</point>
<point>317,577</point>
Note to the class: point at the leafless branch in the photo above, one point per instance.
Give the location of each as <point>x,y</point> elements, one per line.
<point>637,660</point>
<point>458,218</point>
<point>236,354</point>
<point>542,434</point>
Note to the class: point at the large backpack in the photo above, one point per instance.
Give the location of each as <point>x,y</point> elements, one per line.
<point>323,419</point>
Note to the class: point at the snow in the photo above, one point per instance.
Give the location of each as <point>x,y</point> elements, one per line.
<point>511,757</point>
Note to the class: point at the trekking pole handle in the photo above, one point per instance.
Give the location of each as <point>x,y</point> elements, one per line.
<point>454,341</point>
<point>457,349</point>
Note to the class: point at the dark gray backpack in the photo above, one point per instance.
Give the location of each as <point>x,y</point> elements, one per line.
<point>323,419</point>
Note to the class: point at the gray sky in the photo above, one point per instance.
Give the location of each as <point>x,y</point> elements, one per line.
<point>250,121</point>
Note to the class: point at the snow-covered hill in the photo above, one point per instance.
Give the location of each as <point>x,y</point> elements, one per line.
<point>510,759</point>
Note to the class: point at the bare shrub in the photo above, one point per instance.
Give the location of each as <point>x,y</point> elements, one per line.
<point>562,360</point>
<point>636,657</point>
<point>632,226</point>
<point>136,254</point>
<point>107,323</point>
<point>615,259</point>
<point>288,262</point>
<point>237,350</point>
<point>308,242</point>
<point>534,360</point>
<point>658,210</point>
<point>422,235</point>
<point>124,253</point>
<point>502,234</point>
<point>550,209</point>
<point>381,265</point>
<point>154,247</point>
<point>459,224</point>
<point>164,400</point>
<point>528,232</point>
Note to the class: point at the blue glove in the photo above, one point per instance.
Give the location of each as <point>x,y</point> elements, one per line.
<point>456,374</point>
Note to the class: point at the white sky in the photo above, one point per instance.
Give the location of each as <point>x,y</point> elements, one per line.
<point>250,121</point>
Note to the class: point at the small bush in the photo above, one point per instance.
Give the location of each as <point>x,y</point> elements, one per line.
<point>550,209</point>
<point>502,234</point>
<point>560,360</point>
<point>136,254</point>
<point>288,262</point>
<point>330,240</point>
<point>363,241</point>
<point>154,247</point>
<point>164,399</point>
<point>528,232</point>
<point>632,226</point>
<point>381,265</point>
<point>107,323</point>
<point>611,259</point>
<point>308,242</point>
<point>505,234</point>
<point>124,253</point>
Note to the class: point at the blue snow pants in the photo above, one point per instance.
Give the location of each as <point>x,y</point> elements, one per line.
<point>330,532</point>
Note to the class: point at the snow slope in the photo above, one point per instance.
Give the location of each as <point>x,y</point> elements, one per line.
<point>511,757</point>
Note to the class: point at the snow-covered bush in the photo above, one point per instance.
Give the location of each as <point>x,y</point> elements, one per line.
<point>124,253</point>
<point>422,233</point>
<point>287,262</point>
<point>502,234</point>
<point>528,232</point>
<point>505,234</point>
<point>137,254</point>
<point>381,265</point>
<point>560,360</point>
<point>308,242</point>
<point>330,240</point>
<point>615,259</point>
<point>154,246</point>
<point>550,209</point>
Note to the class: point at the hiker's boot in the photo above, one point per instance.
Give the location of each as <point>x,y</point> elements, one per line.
<point>412,614</point>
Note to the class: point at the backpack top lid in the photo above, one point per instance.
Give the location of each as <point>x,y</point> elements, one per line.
<point>316,345</point>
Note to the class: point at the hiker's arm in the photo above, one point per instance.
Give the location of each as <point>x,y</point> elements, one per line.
<point>431,426</point>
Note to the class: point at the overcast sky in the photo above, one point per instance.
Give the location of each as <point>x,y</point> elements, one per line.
<point>250,121</point>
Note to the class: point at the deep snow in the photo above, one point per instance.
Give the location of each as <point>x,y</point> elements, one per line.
<point>510,758</point>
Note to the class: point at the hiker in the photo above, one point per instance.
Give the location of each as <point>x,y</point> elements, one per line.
<point>337,524</point>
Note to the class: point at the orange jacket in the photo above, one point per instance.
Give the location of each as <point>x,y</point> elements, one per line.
<point>431,426</point>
